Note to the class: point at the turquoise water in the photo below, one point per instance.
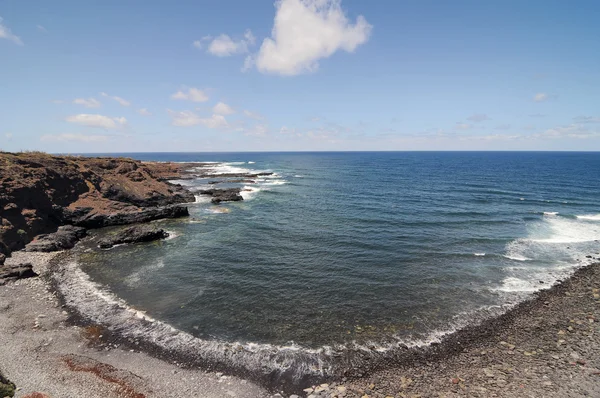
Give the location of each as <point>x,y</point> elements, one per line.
<point>361,247</point>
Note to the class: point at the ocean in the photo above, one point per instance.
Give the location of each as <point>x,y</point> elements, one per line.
<point>373,249</point>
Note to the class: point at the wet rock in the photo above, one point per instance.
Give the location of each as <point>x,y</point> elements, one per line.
<point>14,272</point>
<point>223,195</point>
<point>135,234</point>
<point>2,258</point>
<point>64,238</point>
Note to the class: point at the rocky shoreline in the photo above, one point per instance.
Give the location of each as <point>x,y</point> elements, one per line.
<point>546,346</point>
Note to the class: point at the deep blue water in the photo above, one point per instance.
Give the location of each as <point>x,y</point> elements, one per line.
<point>366,247</point>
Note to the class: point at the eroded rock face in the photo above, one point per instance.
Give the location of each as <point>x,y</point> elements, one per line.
<point>64,238</point>
<point>40,192</point>
<point>135,234</point>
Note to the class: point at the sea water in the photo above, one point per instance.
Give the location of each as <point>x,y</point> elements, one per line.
<point>373,248</point>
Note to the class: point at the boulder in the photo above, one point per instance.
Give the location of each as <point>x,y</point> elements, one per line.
<point>2,258</point>
<point>64,238</point>
<point>14,272</point>
<point>135,234</point>
<point>223,195</point>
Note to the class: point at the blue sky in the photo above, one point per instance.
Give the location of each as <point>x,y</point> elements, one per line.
<point>225,75</point>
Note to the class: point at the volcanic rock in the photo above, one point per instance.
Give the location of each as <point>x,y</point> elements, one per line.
<point>64,238</point>
<point>135,234</point>
<point>223,195</point>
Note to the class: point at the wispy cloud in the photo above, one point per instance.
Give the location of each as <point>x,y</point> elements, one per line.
<point>144,112</point>
<point>222,108</point>
<point>463,126</point>
<point>586,119</point>
<point>224,46</point>
<point>118,99</point>
<point>479,117</point>
<point>306,31</point>
<point>188,119</point>
<point>74,137</point>
<point>41,28</point>
<point>253,115</point>
<point>88,103</point>
<point>5,33</point>
<point>95,120</point>
<point>190,94</point>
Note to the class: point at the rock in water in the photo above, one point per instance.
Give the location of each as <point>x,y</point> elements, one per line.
<point>64,238</point>
<point>223,195</point>
<point>135,234</point>
<point>2,258</point>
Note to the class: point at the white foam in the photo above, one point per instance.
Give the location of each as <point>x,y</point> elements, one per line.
<point>251,162</point>
<point>202,198</point>
<point>275,182</point>
<point>555,246</point>
<point>479,254</point>
<point>248,193</point>
<point>516,257</point>
<point>550,213</point>
<point>589,217</point>
<point>136,278</point>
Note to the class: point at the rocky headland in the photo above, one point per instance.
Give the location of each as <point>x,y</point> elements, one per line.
<point>40,193</point>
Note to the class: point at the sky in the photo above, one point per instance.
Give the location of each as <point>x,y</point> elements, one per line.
<point>299,75</point>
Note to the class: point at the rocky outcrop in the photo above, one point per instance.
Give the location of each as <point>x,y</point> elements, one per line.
<point>40,192</point>
<point>14,272</point>
<point>64,238</point>
<point>135,234</point>
<point>7,388</point>
<point>223,195</point>
<point>99,220</point>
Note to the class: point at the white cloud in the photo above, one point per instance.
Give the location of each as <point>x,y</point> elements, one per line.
<point>570,131</point>
<point>188,118</point>
<point>74,137</point>
<point>248,63</point>
<point>260,130</point>
<point>223,109</point>
<point>5,33</point>
<point>88,103</point>
<point>118,99</point>
<point>192,94</point>
<point>100,121</point>
<point>41,28</point>
<point>463,126</point>
<point>306,31</point>
<point>199,44</point>
<point>9,136</point>
<point>479,117</point>
<point>225,46</point>
<point>253,115</point>
<point>144,112</point>
<point>539,97</point>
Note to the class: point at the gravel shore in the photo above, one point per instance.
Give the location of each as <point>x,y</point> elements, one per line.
<point>546,347</point>
<point>41,352</point>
